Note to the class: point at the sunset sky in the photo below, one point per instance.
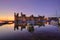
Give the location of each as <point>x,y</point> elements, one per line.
<point>47,8</point>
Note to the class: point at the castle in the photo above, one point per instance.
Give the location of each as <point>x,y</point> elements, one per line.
<point>23,19</point>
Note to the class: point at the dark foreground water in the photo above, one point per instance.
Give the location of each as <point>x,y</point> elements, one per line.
<point>47,32</point>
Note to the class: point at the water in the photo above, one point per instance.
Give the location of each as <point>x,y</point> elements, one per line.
<point>47,32</point>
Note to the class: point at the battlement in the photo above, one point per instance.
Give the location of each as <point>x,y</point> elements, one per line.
<point>24,17</point>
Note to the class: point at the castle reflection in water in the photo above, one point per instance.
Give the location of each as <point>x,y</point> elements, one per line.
<point>28,22</point>
<point>29,27</point>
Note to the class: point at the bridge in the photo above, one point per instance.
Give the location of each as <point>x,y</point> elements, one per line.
<point>6,22</point>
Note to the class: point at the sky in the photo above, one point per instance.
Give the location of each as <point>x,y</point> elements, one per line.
<point>46,8</point>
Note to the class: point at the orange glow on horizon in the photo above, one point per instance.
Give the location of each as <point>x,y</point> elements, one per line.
<point>6,18</point>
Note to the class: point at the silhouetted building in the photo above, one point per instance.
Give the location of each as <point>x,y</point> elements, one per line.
<point>31,19</point>
<point>53,20</point>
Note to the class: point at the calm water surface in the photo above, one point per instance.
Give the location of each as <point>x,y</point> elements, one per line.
<point>47,32</point>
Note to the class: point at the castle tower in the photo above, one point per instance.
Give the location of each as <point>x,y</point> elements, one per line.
<point>14,16</point>
<point>17,14</point>
<point>21,14</point>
